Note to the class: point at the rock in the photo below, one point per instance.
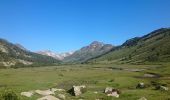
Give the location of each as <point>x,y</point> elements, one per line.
<point>49,97</point>
<point>55,89</point>
<point>61,96</point>
<point>27,94</point>
<point>112,92</point>
<point>143,98</point>
<point>151,75</point>
<point>45,92</point>
<point>108,89</point>
<point>77,90</point>
<point>96,92</point>
<point>140,86</point>
<point>164,88</point>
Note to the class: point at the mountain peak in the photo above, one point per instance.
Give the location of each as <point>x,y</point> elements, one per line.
<point>97,43</point>
<point>94,49</point>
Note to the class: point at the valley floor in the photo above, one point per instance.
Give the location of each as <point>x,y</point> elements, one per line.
<point>95,77</point>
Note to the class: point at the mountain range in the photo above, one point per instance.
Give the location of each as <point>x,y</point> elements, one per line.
<point>94,49</point>
<point>58,56</point>
<point>150,48</point>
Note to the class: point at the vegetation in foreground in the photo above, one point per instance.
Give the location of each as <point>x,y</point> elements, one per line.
<point>95,77</point>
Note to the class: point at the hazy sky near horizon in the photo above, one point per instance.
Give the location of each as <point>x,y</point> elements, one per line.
<point>66,25</point>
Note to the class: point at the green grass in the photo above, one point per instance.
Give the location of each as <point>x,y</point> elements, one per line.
<point>95,77</point>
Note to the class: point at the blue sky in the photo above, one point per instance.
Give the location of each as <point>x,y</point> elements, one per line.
<point>66,25</point>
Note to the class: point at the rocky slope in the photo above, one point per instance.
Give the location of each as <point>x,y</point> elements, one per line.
<point>12,55</point>
<point>94,49</point>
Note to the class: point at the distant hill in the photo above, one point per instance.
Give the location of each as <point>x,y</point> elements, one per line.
<point>94,49</point>
<point>58,56</point>
<point>14,55</point>
<point>151,48</point>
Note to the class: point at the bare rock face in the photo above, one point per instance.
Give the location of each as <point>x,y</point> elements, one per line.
<point>87,52</point>
<point>112,92</point>
<point>77,90</point>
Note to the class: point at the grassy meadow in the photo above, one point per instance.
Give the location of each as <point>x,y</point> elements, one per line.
<point>95,77</point>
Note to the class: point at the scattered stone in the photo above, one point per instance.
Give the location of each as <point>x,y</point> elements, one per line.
<point>108,89</point>
<point>140,86</point>
<point>77,90</point>
<point>61,96</point>
<point>112,92</point>
<point>49,97</point>
<point>96,92</point>
<point>163,88</point>
<point>151,75</point>
<point>45,92</point>
<point>27,94</point>
<point>143,98</point>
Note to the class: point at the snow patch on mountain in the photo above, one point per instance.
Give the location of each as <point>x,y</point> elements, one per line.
<point>59,56</point>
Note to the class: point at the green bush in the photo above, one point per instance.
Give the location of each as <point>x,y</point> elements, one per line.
<point>8,95</point>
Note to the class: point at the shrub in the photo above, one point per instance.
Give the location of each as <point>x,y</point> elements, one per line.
<point>8,95</point>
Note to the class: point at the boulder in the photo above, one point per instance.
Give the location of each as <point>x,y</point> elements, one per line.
<point>163,88</point>
<point>77,90</point>
<point>62,96</point>
<point>112,92</point>
<point>27,94</point>
<point>44,92</point>
<point>140,86</point>
<point>49,97</point>
<point>108,90</point>
<point>143,98</point>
